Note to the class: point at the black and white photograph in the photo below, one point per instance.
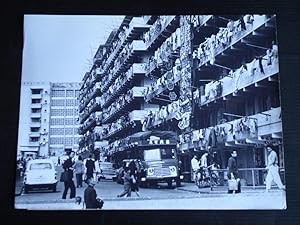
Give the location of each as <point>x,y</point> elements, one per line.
<point>150,112</point>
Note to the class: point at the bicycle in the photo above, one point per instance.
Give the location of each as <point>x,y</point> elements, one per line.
<point>207,177</point>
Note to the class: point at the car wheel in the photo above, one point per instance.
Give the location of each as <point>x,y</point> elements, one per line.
<point>178,183</point>
<point>54,188</point>
<point>169,183</point>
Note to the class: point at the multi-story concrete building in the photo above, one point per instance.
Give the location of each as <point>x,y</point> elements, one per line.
<point>214,80</point>
<point>33,138</point>
<point>48,121</point>
<point>64,118</point>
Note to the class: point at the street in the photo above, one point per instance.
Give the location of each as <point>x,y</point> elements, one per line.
<point>188,196</point>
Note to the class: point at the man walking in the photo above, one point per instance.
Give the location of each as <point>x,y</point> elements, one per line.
<point>273,170</point>
<point>68,167</point>
<point>233,171</point>
<point>90,167</point>
<point>195,166</point>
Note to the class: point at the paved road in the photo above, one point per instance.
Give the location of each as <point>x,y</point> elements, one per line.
<point>160,197</point>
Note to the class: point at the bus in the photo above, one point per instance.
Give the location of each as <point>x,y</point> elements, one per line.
<point>157,153</point>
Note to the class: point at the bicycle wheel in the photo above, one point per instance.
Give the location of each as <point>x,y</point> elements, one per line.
<point>214,180</point>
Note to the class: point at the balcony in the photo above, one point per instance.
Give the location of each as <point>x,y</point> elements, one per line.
<point>134,73</point>
<point>242,81</point>
<point>94,105</point>
<point>165,84</point>
<point>248,131</point>
<point>35,124</point>
<point>34,134</point>
<point>95,91</point>
<point>36,105</point>
<point>135,49</point>
<point>124,104</point>
<point>150,19</point>
<point>35,115</point>
<point>261,27</point>
<point>158,34</point>
<point>133,33</point>
<point>36,96</point>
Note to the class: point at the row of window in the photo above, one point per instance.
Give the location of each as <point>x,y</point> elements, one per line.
<point>64,121</point>
<point>63,131</point>
<point>65,93</point>
<point>64,112</point>
<point>64,102</point>
<point>65,141</point>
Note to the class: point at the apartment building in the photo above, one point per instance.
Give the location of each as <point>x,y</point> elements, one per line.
<point>48,119</point>
<point>212,79</point>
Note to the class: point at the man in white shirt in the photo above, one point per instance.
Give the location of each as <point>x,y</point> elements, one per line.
<point>273,170</point>
<point>195,166</point>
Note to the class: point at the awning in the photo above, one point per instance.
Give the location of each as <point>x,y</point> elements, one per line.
<point>141,136</point>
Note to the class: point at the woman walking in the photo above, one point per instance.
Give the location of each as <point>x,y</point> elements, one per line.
<point>79,170</point>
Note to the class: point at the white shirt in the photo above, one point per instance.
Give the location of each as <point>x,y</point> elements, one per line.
<point>204,160</point>
<point>195,164</point>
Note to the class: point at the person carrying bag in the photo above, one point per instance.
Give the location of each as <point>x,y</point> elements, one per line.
<point>234,185</point>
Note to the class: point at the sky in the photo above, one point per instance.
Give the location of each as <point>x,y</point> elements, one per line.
<point>60,48</point>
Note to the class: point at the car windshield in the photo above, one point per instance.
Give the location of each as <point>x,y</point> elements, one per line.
<point>159,154</point>
<point>40,166</point>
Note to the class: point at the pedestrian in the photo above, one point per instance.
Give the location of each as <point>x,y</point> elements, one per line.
<point>68,168</point>
<point>203,165</point>
<point>133,173</point>
<point>195,166</point>
<point>90,167</point>
<point>233,171</point>
<point>97,173</point>
<point>273,170</point>
<point>127,183</point>
<point>90,195</point>
<point>79,170</point>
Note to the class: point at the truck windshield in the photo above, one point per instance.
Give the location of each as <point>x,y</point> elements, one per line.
<point>159,154</point>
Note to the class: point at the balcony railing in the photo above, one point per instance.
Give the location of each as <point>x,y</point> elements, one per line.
<point>35,115</point>
<point>240,79</point>
<point>122,83</point>
<point>36,96</point>
<point>134,49</point>
<point>160,31</point>
<point>241,132</point>
<point>36,105</point>
<point>133,33</point>
<point>237,35</point>
<point>93,92</point>
<point>123,104</point>
<point>95,104</point>
<point>35,124</point>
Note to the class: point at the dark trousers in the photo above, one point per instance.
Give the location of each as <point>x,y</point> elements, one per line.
<point>79,179</point>
<point>69,184</point>
<point>127,190</point>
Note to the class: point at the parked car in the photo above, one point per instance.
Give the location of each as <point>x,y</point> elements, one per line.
<point>40,173</point>
<point>108,172</point>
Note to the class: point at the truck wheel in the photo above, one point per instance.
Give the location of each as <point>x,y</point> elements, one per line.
<point>169,183</point>
<point>54,188</point>
<point>26,189</point>
<point>178,182</point>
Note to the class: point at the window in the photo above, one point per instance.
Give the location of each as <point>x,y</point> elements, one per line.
<point>34,139</point>
<point>70,102</point>
<point>69,121</point>
<point>57,140</point>
<point>69,112</point>
<point>35,110</point>
<point>58,102</point>
<point>69,141</point>
<point>70,93</point>
<point>69,131</point>
<point>167,153</point>
<point>36,101</point>
<point>56,131</point>
<point>58,93</point>
<point>152,154</point>
<point>35,120</point>
<point>57,121</point>
<point>77,93</point>
<point>34,129</point>
<point>36,91</point>
<point>57,112</point>
<point>40,166</point>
